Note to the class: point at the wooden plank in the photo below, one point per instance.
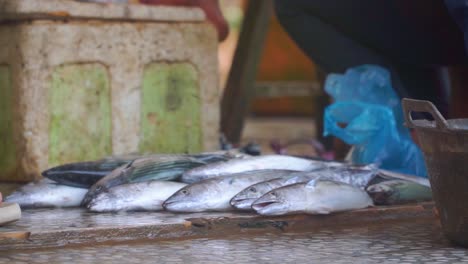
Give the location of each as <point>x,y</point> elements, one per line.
<point>171,109</point>
<point>80,109</point>
<point>240,85</point>
<point>92,228</point>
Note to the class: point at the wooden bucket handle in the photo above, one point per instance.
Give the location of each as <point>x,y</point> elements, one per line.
<point>411,105</point>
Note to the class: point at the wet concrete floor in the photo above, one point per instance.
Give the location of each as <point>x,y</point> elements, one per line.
<point>399,242</point>
<point>39,220</point>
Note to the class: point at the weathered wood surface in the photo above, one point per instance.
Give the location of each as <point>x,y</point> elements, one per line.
<point>240,84</point>
<point>62,227</point>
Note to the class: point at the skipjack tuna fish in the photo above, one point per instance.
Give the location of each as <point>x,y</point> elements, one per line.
<point>315,197</point>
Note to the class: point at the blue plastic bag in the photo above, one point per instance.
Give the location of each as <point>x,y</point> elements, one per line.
<point>366,102</point>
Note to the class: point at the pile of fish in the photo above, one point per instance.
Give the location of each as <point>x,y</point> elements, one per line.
<point>219,181</point>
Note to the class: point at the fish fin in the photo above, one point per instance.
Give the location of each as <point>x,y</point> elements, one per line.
<point>129,164</point>
<point>312,183</point>
<point>392,175</point>
<point>111,164</point>
<point>292,180</point>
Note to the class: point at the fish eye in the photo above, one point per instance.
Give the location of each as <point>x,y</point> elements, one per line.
<point>184,192</point>
<point>252,189</point>
<point>273,193</point>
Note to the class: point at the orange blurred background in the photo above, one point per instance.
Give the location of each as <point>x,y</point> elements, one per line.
<point>281,60</point>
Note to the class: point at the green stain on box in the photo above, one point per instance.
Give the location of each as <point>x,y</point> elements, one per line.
<point>80,114</point>
<point>170,112</point>
<point>8,161</point>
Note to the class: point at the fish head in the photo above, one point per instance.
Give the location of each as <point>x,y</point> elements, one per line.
<point>19,197</point>
<point>191,198</point>
<point>244,199</point>
<point>380,193</point>
<point>92,193</point>
<point>116,177</point>
<point>102,202</point>
<point>380,188</point>
<point>272,203</point>
<point>282,200</point>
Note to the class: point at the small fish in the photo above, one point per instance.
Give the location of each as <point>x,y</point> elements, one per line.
<point>266,162</point>
<point>244,199</point>
<point>139,196</point>
<point>315,197</point>
<point>398,192</point>
<point>164,168</point>
<point>214,194</point>
<point>46,193</point>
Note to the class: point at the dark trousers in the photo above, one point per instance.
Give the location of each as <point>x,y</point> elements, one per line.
<point>411,38</point>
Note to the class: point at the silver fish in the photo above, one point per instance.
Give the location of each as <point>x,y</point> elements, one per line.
<point>168,168</point>
<point>244,199</point>
<point>398,192</point>
<point>266,162</point>
<point>140,196</point>
<point>358,176</point>
<point>214,194</point>
<point>46,193</point>
<point>315,197</point>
